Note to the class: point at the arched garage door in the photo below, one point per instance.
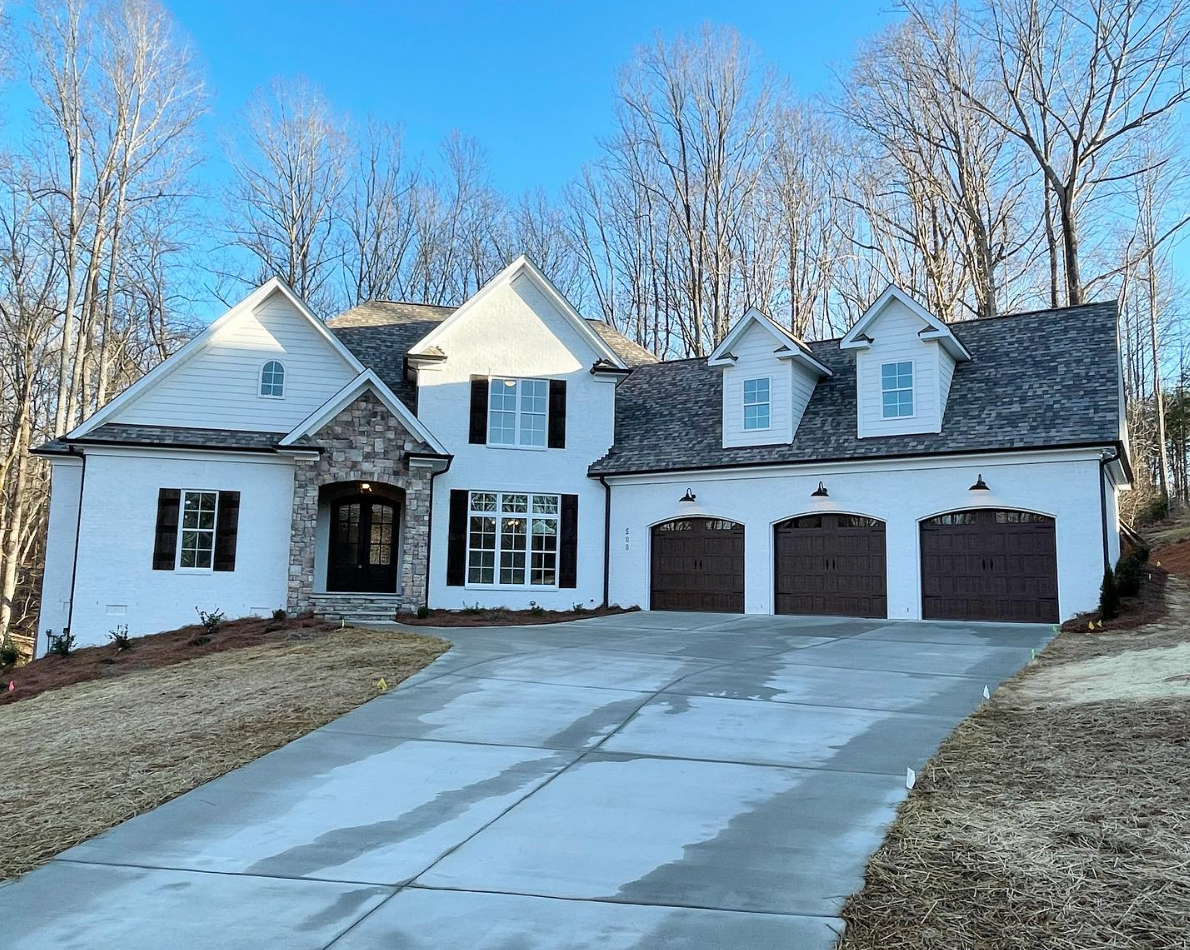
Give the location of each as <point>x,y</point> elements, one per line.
<point>830,564</point>
<point>989,564</point>
<point>698,564</point>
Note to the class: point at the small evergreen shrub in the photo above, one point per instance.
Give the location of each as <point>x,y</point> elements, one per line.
<point>579,608</point>
<point>423,611</point>
<point>536,609</point>
<point>119,637</point>
<point>9,654</point>
<point>279,614</point>
<point>62,644</point>
<point>210,621</point>
<point>1109,597</point>
<point>472,608</point>
<point>1130,571</point>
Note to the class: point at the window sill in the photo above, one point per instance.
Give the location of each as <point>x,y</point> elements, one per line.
<point>518,448</point>
<point>536,588</point>
<point>194,570</point>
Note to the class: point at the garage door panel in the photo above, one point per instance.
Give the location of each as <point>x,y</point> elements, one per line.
<point>697,564</point>
<point>830,564</point>
<point>989,564</point>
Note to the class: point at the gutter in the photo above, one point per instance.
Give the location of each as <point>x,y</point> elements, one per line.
<point>1116,446</point>
<point>607,538</point>
<point>78,534</point>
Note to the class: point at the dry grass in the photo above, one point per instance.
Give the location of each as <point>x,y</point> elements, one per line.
<point>1057,817</point>
<point>77,760</point>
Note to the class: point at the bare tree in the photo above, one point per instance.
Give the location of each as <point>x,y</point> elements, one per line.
<point>290,160</point>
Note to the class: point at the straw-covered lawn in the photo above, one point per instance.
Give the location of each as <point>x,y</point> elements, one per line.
<point>79,759</point>
<point>1057,817</point>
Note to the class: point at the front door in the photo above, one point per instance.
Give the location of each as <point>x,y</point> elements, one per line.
<point>362,553</point>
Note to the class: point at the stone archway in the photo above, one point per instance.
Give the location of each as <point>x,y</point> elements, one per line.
<point>363,443</point>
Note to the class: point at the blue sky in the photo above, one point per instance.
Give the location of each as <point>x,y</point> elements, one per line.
<point>531,80</point>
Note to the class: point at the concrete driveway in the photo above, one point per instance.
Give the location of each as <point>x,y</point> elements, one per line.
<point>646,781</point>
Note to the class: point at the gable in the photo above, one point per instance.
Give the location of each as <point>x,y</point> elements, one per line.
<point>217,384</point>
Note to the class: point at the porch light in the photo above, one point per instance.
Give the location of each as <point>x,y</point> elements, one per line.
<point>365,486</point>
<point>820,492</point>
<point>688,498</point>
<point>980,485</point>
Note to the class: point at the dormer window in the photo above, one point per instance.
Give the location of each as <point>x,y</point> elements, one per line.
<point>896,386</point>
<point>757,403</point>
<point>272,379</point>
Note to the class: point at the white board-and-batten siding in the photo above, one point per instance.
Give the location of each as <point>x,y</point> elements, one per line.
<point>219,387</point>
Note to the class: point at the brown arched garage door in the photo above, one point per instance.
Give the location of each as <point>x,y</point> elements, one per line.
<point>989,564</point>
<point>831,564</point>
<point>698,564</point>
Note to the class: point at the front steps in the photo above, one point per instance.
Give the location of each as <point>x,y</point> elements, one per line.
<point>357,608</point>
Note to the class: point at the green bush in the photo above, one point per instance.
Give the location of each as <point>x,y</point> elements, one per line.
<point>536,609</point>
<point>1130,571</point>
<point>63,644</point>
<point>210,621</point>
<point>119,637</point>
<point>423,611</point>
<point>9,654</point>
<point>1109,597</point>
<point>279,614</point>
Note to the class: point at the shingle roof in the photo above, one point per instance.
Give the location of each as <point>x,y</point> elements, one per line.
<point>1045,378</point>
<point>115,433</point>
<point>381,332</point>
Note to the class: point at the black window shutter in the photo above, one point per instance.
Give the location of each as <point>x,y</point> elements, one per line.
<point>226,527</point>
<point>479,412</point>
<point>456,539</point>
<point>557,435</point>
<point>568,543</point>
<point>165,541</point>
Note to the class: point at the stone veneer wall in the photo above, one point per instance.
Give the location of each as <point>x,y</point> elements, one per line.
<point>364,442</point>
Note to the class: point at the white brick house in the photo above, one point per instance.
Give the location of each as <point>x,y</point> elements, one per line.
<point>511,452</point>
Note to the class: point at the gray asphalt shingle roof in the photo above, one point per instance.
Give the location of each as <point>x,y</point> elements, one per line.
<point>1045,378</point>
<point>116,433</point>
<point>381,332</point>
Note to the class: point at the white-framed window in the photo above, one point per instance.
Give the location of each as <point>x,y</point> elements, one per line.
<point>512,539</point>
<point>896,389</point>
<point>196,550</point>
<point>757,403</point>
<point>272,379</point>
<point>518,411</point>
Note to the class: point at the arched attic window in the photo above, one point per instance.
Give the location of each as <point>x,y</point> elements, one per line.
<point>272,379</point>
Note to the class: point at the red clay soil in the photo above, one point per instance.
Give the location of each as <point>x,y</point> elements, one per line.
<point>1175,558</point>
<point>498,617</point>
<point>160,649</point>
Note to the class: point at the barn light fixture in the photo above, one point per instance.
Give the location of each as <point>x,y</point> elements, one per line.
<point>980,485</point>
<point>365,486</point>
<point>688,498</point>
<point>820,492</point>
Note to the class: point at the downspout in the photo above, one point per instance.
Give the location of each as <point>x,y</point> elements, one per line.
<point>1104,461</point>
<point>607,538</point>
<point>430,525</point>
<point>78,533</point>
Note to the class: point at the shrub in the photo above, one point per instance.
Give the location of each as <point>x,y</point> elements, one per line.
<point>63,644</point>
<point>536,609</point>
<point>1130,571</point>
<point>423,611</point>
<point>9,654</point>
<point>119,637</point>
<point>579,608</point>
<point>210,621</point>
<point>472,608</point>
<point>1109,597</point>
<point>279,614</point>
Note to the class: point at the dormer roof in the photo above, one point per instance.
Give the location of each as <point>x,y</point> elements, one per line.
<point>787,346</point>
<point>859,337</point>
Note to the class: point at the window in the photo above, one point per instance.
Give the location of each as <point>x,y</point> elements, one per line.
<point>272,379</point>
<point>517,411</point>
<point>896,386</point>
<point>197,550</point>
<point>756,403</point>
<point>512,539</point>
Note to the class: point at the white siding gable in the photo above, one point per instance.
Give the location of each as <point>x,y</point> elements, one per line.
<point>790,387</point>
<point>219,386</point>
<point>896,338</point>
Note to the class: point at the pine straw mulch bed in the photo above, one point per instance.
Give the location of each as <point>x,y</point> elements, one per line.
<point>1057,816</point>
<point>80,759</point>
<point>502,617</point>
<point>1148,606</point>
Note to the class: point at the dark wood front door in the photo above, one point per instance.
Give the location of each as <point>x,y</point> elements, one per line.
<point>362,551</point>
<point>831,564</point>
<point>989,564</point>
<point>698,564</point>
